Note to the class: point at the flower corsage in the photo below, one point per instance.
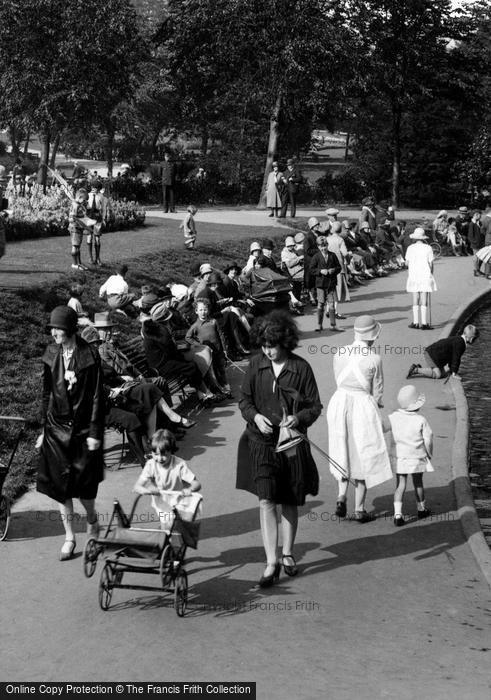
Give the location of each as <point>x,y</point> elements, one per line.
<point>70,378</point>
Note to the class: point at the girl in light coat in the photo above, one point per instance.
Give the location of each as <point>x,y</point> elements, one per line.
<point>413,440</point>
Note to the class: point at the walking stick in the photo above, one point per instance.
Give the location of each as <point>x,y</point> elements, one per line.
<point>331,461</point>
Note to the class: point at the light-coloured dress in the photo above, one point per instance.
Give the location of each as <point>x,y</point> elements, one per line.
<point>356,440</point>
<point>273,199</point>
<point>419,258</point>
<point>336,245</point>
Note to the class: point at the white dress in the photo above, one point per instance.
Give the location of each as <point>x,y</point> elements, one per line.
<point>356,440</point>
<point>419,258</point>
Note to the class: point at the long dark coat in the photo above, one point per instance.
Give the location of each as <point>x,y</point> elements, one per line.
<point>66,467</point>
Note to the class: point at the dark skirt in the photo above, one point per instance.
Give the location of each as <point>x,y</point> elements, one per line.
<point>274,476</point>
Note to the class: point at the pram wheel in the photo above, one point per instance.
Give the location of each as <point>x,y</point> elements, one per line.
<point>166,565</point>
<point>91,553</point>
<point>4,516</point>
<point>106,584</point>
<point>181,593</point>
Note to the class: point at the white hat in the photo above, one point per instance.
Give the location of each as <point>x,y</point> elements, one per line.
<point>332,211</point>
<point>313,221</point>
<point>125,166</point>
<point>299,237</point>
<point>367,328</point>
<point>204,268</point>
<point>418,234</point>
<point>463,210</point>
<point>364,224</point>
<point>409,398</point>
<point>254,246</point>
<point>289,240</point>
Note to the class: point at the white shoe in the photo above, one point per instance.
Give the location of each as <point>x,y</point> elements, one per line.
<point>75,267</point>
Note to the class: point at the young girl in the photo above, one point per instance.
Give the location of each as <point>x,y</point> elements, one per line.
<point>165,473</point>
<point>413,440</point>
<point>189,228</point>
<point>76,292</point>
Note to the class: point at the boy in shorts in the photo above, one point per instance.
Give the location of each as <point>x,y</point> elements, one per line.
<point>77,227</point>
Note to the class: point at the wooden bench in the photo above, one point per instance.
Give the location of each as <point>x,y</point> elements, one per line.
<point>135,352</point>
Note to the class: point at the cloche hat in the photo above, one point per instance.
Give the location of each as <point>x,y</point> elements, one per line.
<point>409,398</point>
<point>64,318</point>
<point>418,234</point>
<point>366,328</point>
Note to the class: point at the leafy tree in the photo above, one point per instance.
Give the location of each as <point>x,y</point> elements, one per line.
<point>64,63</point>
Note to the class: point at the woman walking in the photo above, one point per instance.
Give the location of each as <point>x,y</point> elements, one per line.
<point>279,389</point>
<point>356,441</point>
<point>71,463</point>
<point>420,281</point>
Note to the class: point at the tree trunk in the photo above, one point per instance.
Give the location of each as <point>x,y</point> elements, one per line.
<point>14,142</point>
<point>396,155</point>
<point>43,165</point>
<point>204,140</point>
<point>26,143</point>
<point>346,148</point>
<point>274,133</point>
<point>109,149</point>
<point>54,150</point>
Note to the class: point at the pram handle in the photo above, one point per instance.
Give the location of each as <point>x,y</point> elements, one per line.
<point>19,419</point>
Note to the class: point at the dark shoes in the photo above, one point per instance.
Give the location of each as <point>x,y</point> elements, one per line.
<point>414,325</point>
<point>399,521</point>
<point>341,509</point>
<point>290,569</point>
<point>426,327</point>
<point>361,516</point>
<point>268,581</point>
<point>478,273</point>
<point>411,371</point>
<point>424,513</point>
<point>318,330</point>
<point>341,317</point>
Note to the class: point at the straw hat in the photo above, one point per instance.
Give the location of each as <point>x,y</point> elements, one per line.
<point>161,311</point>
<point>418,234</point>
<point>332,211</point>
<point>409,398</point>
<point>366,328</point>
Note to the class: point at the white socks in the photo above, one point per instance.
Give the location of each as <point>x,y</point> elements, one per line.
<point>397,509</point>
<point>424,315</point>
<point>416,315</point>
<point>421,505</point>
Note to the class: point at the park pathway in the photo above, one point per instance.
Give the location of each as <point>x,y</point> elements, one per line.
<point>376,611</point>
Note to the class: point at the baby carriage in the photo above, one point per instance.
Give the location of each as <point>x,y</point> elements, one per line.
<point>4,469</point>
<point>130,548</point>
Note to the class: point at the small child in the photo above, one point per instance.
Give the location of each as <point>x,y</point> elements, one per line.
<point>324,268</point>
<point>165,473</point>
<point>76,226</point>
<point>205,331</point>
<point>189,228</point>
<point>413,440</point>
<point>76,292</point>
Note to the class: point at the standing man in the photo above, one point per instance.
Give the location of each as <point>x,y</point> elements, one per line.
<point>168,182</point>
<point>292,178</point>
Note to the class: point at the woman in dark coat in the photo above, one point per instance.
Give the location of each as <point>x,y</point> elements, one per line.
<point>279,389</point>
<point>71,462</point>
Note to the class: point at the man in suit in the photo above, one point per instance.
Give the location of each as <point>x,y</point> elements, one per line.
<point>443,353</point>
<point>292,179</point>
<point>168,182</point>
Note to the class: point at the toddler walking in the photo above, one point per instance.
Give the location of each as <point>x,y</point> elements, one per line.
<point>413,440</point>
<point>189,228</point>
<point>167,477</point>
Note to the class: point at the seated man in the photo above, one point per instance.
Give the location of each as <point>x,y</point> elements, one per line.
<point>444,353</point>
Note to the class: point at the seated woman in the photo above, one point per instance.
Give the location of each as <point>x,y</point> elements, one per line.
<point>163,355</point>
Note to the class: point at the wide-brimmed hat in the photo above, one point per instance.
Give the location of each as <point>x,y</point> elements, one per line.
<point>64,318</point>
<point>312,222</point>
<point>90,335</point>
<point>161,311</point>
<point>254,246</point>
<point>232,266</point>
<point>409,398</point>
<point>102,320</point>
<point>205,268</point>
<point>463,210</point>
<point>332,211</point>
<point>418,234</point>
<point>367,328</point>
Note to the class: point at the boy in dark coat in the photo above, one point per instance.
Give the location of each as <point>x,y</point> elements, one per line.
<point>324,268</point>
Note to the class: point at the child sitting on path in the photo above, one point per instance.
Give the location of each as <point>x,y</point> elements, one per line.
<point>413,440</point>
<point>165,473</point>
<point>189,228</point>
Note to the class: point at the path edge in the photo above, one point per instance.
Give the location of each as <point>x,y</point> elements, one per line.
<point>466,508</point>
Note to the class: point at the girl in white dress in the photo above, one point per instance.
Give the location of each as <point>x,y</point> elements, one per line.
<point>420,281</point>
<point>356,440</point>
<point>413,440</point>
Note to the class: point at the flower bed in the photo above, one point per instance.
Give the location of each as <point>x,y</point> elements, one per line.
<point>42,216</point>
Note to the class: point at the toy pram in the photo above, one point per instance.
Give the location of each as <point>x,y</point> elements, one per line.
<point>145,550</point>
<point>4,469</point>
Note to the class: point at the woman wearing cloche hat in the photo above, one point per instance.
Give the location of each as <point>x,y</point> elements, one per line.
<point>71,461</point>
<point>420,281</point>
<point>413,440</point>
<point>356,441</point>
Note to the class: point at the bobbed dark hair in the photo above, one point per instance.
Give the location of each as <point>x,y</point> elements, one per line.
<point>277,328</point>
